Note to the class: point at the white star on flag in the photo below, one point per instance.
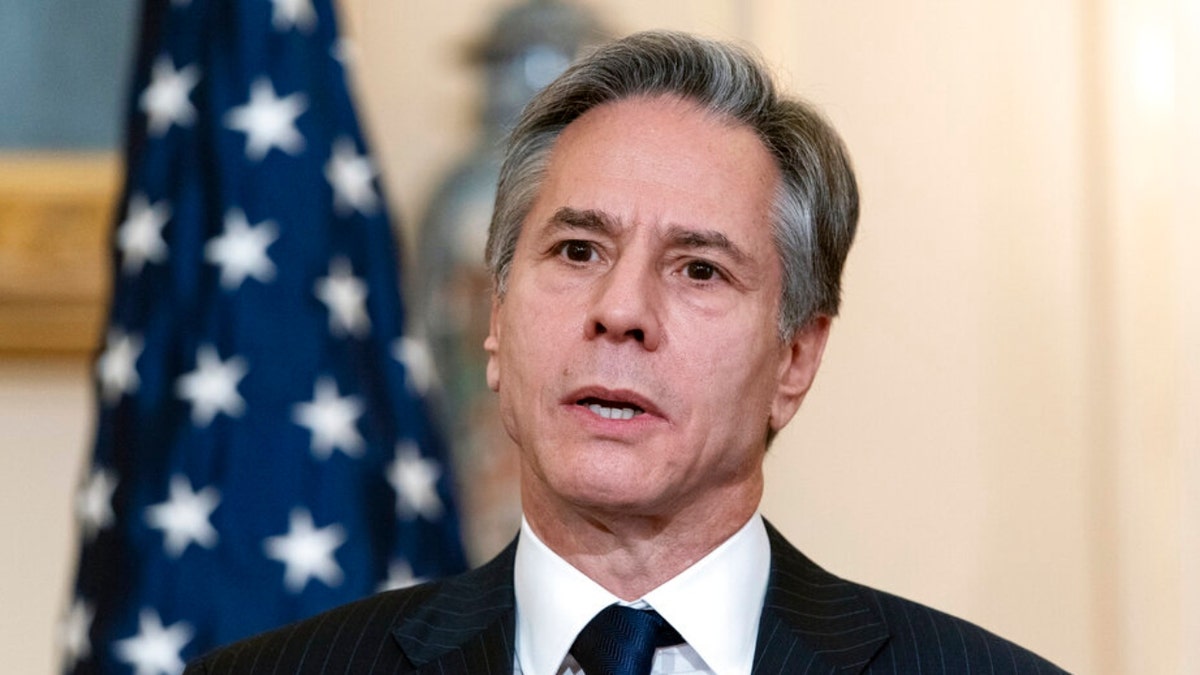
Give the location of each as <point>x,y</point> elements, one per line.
<point>140,237</point>
<point>351,176</point>
<point>155,649</point>
<point>290,14</point>
<point>212,387</point>
<point>93,502</point>
<point>419,369</point>
<point>331,419</point>
<point>117,366</point>
<point>307,552</point>
<point>183,518</point>
<point>400,575</point>
<point>268,121</point>
<point>73,633</point>
<point>165,99</point>
<point>414,479</point>
<point>241,250</point>
<point>345,51</point>
<point>345,295</point>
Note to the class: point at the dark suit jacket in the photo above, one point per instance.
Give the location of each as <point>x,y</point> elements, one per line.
<point>812,622</point>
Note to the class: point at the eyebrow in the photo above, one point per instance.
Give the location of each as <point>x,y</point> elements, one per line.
<point>585,219</point>
<point>679,236</point>
<point>705,239</point>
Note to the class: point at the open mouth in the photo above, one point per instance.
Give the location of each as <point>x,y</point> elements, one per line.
<point>610,410</point>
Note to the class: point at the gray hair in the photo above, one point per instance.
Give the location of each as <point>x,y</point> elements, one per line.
<point>815,210</point>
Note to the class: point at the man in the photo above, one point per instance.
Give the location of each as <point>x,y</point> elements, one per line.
<point>666,248</point>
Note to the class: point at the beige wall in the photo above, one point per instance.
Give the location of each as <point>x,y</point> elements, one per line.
<point>943,454</point>
<point>1004,426</point>
<point>45,423</point>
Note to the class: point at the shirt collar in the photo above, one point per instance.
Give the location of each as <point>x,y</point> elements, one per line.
<point>554,602</point>
<point>715,604</point>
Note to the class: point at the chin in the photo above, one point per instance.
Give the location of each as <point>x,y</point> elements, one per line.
<point>609,492</point>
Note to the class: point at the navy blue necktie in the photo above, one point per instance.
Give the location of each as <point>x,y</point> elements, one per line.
<point>621,641</point>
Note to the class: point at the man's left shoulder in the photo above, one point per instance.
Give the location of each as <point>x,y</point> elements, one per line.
<point>853,627</point>
<point>924,639</point>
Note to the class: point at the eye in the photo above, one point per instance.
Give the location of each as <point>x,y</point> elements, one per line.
<point>577,250</point>
<point>700,270</point>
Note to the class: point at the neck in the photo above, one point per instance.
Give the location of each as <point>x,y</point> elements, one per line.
<point>632,554</point>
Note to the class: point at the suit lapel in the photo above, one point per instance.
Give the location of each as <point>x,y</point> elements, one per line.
<point>466,625</point>
<point>813,621</point>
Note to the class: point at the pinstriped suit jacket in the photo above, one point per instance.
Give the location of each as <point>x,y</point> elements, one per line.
<point>812,622</point>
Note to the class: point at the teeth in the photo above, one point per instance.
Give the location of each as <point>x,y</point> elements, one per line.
<point>612,413</point>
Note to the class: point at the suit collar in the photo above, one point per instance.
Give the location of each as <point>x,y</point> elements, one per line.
<point>812,619</point>
<point>466,624</point>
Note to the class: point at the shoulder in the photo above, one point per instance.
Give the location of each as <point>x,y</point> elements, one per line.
<point>386,632</point>
<point>357,634</point>
<point>856,627</point>
<point>923,638</point>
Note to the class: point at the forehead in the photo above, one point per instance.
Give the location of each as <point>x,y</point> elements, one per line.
<point>662,161</point>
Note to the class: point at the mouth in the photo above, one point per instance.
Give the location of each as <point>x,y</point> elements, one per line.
<point>610,404</point>
<point>610,410</point>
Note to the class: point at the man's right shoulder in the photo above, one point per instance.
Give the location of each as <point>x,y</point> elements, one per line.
<point>357,637</point>
<point>466,618</point>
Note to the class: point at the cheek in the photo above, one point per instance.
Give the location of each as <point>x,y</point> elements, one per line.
<point>527,360</point>
<point>737,380</point>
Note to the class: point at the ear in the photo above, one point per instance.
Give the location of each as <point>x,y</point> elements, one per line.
<point>491,345</point>
<point>798,368</point>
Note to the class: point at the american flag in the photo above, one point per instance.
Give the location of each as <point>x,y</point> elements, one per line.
<point>262,451</point>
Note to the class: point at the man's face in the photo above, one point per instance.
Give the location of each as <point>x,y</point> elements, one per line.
<point>635,349</point>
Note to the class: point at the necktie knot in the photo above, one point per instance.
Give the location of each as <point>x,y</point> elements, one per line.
<point>621,641</point>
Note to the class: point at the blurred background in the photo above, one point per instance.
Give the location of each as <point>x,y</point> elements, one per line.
<point>1005,426</point>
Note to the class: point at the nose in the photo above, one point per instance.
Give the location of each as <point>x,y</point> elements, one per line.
<point>627,306</point>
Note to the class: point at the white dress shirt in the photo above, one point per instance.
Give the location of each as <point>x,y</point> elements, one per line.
<point>715,605</point>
